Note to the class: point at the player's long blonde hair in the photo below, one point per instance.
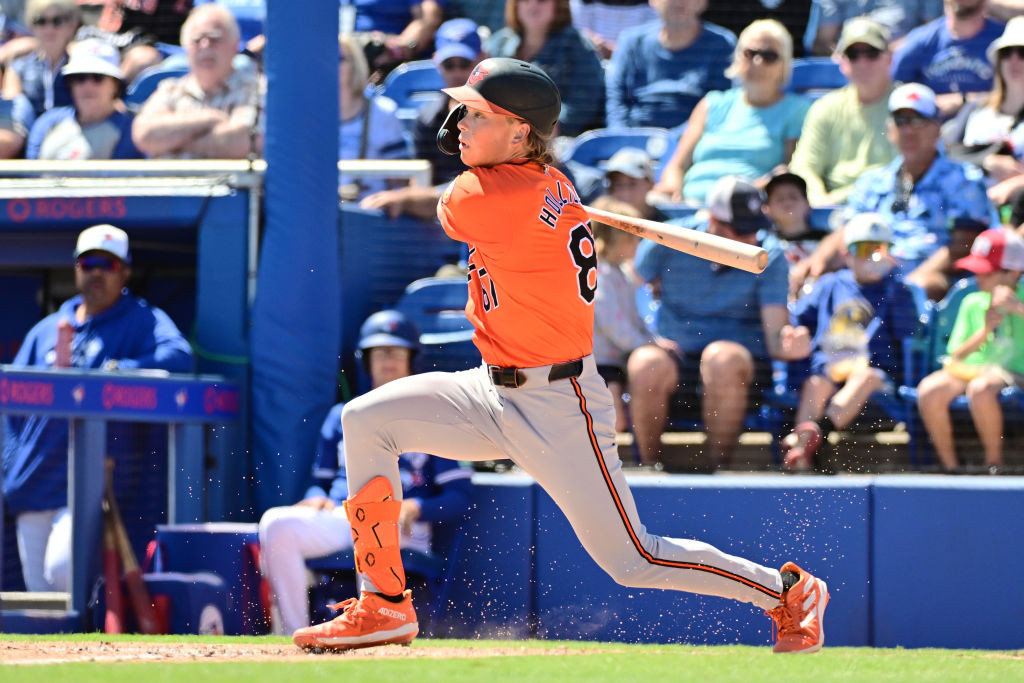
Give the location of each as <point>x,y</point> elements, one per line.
<point>537,147</point>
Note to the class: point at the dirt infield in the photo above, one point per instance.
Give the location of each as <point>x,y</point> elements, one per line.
<point>59,652</point>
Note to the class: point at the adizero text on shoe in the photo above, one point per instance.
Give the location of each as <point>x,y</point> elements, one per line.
<point>798,618</point>
<point>364,622</point>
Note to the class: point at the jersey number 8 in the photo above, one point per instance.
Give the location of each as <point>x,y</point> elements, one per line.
<point>584,255</point>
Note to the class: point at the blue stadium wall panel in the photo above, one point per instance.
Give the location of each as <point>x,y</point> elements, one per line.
<point>947,561</point>
<point>820,523</point>
<point>295,322</point>
<point>379,257</point>
<point>492,586</point>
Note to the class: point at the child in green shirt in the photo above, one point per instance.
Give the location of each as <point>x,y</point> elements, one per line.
<point>986,349</point>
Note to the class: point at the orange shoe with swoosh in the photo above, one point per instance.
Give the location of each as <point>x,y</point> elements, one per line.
<point>365,621</point>
<point>798,618</point>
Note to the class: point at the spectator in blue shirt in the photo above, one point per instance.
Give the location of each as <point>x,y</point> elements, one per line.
<point>433,489</point>
<point>852,325</point>
<point>661,70</point>
<point>898,16</point>
<point>726,322</point>
<point>97,125</point>
<point>37,75</point>
<point>746,131</point>
<point>919,194</point>
<point>542,33</point>
<point>950,54</point>
<point>111,329</point>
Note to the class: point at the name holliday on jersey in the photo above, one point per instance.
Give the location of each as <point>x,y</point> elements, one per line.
<point>552,207</point>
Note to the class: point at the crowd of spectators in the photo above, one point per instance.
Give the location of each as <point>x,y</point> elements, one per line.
<point>920,145</point>
<point>925,138</point>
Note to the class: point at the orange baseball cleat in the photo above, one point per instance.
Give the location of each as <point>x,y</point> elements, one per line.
<point>364,622</point>
<point>798,618</point>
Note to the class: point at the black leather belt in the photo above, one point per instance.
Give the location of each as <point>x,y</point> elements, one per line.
<point>514,378</point>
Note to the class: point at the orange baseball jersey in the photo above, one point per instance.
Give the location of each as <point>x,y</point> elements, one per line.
<point>532,262</point>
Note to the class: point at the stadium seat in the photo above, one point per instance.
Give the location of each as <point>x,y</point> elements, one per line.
<point>437,306</point>
<point>145,83</point>
<point>594,147</point>
<point>410,85</point>
<point>815,76</point>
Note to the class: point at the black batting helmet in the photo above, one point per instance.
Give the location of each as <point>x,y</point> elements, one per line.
<point>502,85</point>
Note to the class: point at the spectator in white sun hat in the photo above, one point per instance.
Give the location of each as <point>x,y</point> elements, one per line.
<point>97,125</point>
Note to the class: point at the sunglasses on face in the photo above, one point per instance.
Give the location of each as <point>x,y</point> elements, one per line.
<point>213,36</point>
<point>867,249</point>
<point>107,264</point>
<point>855,53</point>
<point>911,120</point>
<point>56,21</point>
<point>75,79</point>
<point>767,56</point>
<point>1018,50</point>
<point>450,64</point>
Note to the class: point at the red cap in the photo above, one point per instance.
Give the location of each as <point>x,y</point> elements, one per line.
<point>994,249</point>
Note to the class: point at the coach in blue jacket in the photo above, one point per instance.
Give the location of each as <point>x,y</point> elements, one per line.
<point>111,329</point>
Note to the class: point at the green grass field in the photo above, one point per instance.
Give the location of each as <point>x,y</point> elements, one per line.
<point>571,661</point>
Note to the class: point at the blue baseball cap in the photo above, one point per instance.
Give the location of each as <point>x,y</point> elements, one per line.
<point>457,38</point>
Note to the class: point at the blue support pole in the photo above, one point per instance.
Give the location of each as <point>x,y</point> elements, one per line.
<point>296,313</point>
<point>86,467</point>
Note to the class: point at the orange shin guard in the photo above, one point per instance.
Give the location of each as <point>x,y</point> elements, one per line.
<point>373,515</point>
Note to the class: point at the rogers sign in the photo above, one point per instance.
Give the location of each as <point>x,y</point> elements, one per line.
<point>26,393</point>
<point>134,398</point>
<point>220,400</point>
<point>57,208</point>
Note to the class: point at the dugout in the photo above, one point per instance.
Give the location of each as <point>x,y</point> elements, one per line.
<point>193,227</point>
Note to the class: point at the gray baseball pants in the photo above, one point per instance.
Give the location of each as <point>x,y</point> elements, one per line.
<point>560,433</point>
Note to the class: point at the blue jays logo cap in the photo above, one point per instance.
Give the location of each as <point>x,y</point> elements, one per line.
<point>457,38</point>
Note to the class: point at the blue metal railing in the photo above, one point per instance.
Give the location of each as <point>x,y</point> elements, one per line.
<point>91,398</point>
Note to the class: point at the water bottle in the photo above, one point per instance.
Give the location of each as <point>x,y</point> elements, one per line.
<point>65,335</point>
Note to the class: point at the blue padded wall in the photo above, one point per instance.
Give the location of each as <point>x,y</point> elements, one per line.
<point>820,523</point>
<point>947,561</point>
<point>379,257</point>
<point>295,330</point>
<point>492,591</point>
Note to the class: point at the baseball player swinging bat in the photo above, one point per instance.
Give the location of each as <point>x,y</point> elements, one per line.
<point>138,595</point>
<point>694,242</point>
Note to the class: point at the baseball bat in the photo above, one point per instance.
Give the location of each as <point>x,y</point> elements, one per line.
<point>113,621</point>
<point>694,242</point>
<point>146,617</point>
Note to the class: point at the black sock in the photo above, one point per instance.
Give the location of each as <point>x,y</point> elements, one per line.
<point>393,598</point>
<point>789,579</point>
<point>826,426</point>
